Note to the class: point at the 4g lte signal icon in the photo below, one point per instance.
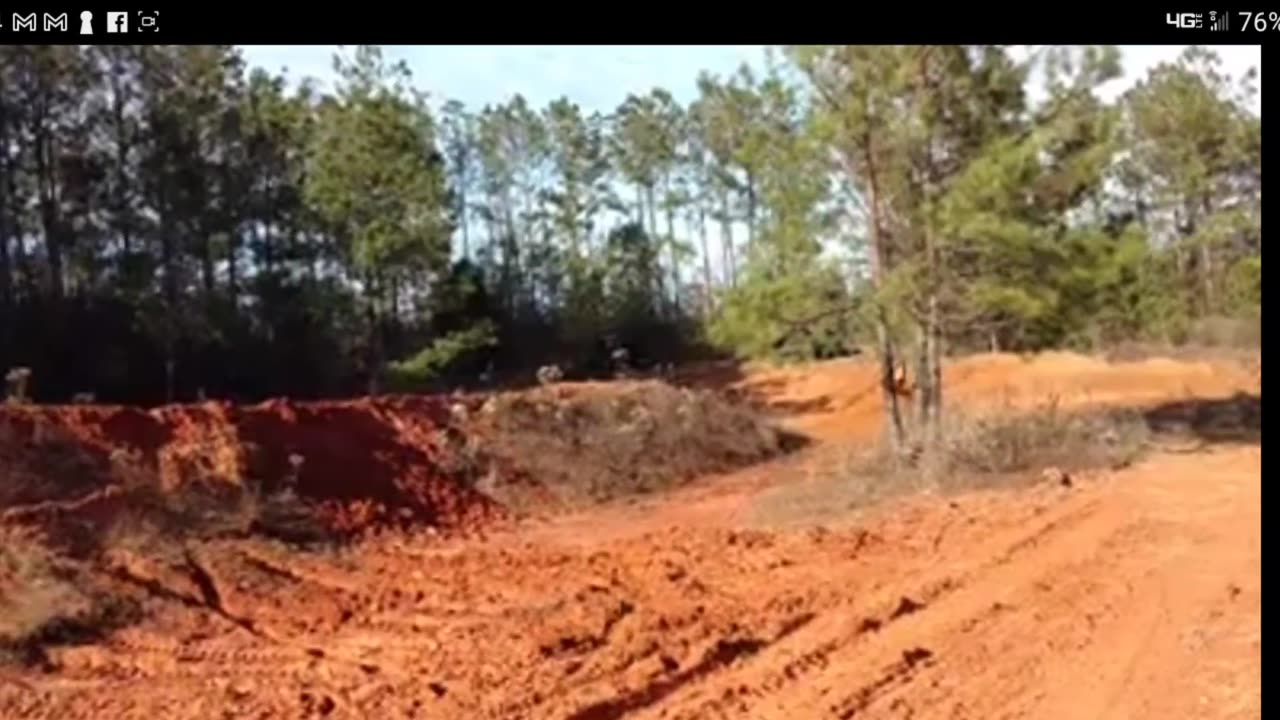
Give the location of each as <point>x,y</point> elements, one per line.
<point>1186,21</point>
<point>117,22</point>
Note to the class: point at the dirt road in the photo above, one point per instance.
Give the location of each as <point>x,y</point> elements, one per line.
<point>1136,595</point>
<point>1133,594</point>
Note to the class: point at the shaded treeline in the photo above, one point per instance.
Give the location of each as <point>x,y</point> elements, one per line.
<point>172,221</point>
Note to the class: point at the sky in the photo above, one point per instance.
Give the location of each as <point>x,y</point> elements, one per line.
<point>599,77</point>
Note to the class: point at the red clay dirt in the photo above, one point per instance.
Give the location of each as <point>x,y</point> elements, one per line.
<point>840,400</point>
<point>368,463</point>
<point>1134,594</point>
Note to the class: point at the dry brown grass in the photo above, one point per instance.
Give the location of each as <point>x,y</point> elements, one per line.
<point>1213,339</point>
<point>31,593</point>
<point>974,452</point>
<point>592,443</point>
<point>1227,332</point>
<point>86,507</point>
<point>1000,444</point>
<point>47,598</point>
<point>65,522</point>
<point>46,465</point>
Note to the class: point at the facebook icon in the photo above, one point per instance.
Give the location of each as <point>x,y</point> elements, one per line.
<point>117,22</point>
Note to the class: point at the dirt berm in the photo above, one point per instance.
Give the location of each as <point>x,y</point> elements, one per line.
<point>397,461</point>
<point>1131,593</point>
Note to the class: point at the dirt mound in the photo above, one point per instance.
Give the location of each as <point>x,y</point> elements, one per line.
<point>1133,593</point>
<point>841,400</point>
<point>408,461</point>
<point>363,463</point>
<point>588,442</point>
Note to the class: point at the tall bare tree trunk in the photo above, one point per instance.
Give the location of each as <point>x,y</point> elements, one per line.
<point>263,231</point>
<point>462,219</point>
<point>707,294</point>
<point>928,390</point>
<point>122,146</point>
<point>894,427</point>
<point>1206,261</point>
<point>6,265</point>
<point>207,264</point>
<point>6,271</point>
<point>933,353</point>
<point>1206,278</point>
<point>374,351</point>
<point>7,329</point>
<point>233,245</point>
<point>21,259</point>
<point>509,259</point>
<point>168,259</point>
<point>671,245</point>
<point>888,361</point>
<point>726,241</point>
<point>46,158</point>
<point>313,262</point>
<point>922,375</point>
<point>930,373</point>
<point>654,240</point>
<point>395,301</point>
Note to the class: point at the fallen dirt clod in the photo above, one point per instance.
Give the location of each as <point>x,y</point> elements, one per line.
<point>1134,592</point>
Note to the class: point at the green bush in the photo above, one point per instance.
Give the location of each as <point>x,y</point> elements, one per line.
<point>420,370</point>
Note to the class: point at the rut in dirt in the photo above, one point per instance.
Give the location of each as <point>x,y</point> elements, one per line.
<point>1131,593</point>
<point>1135,591</point>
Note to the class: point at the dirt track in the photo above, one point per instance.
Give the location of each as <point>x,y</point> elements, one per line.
<point>1135,594</point>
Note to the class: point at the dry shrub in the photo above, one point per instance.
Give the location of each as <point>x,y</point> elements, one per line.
<point>1222,339</point>
<point>56,505</point>
<point>46,463</point>
<point>131,509</point>
<point>31,593</point>
<point>1010,444</point>
<point>46,599</point>
<point>1009,448</point>
<point>973,452</point>
<point>64,524</point>
<point>1243,357</point>
<point>1227,332</point>
<point>593,443</point>
<point>204,506</point>
<point>126,504</point>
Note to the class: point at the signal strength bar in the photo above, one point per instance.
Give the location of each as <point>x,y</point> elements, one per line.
<point>1218,20</point>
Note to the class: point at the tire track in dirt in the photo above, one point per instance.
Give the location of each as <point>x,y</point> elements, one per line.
<point>1044,603</point>
<point>1082,584</point>
<point>1131,595</point>
<point>1202,586</point>
<point>870,621</point>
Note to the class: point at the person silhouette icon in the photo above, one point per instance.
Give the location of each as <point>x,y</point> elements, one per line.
<point>86,23</point>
